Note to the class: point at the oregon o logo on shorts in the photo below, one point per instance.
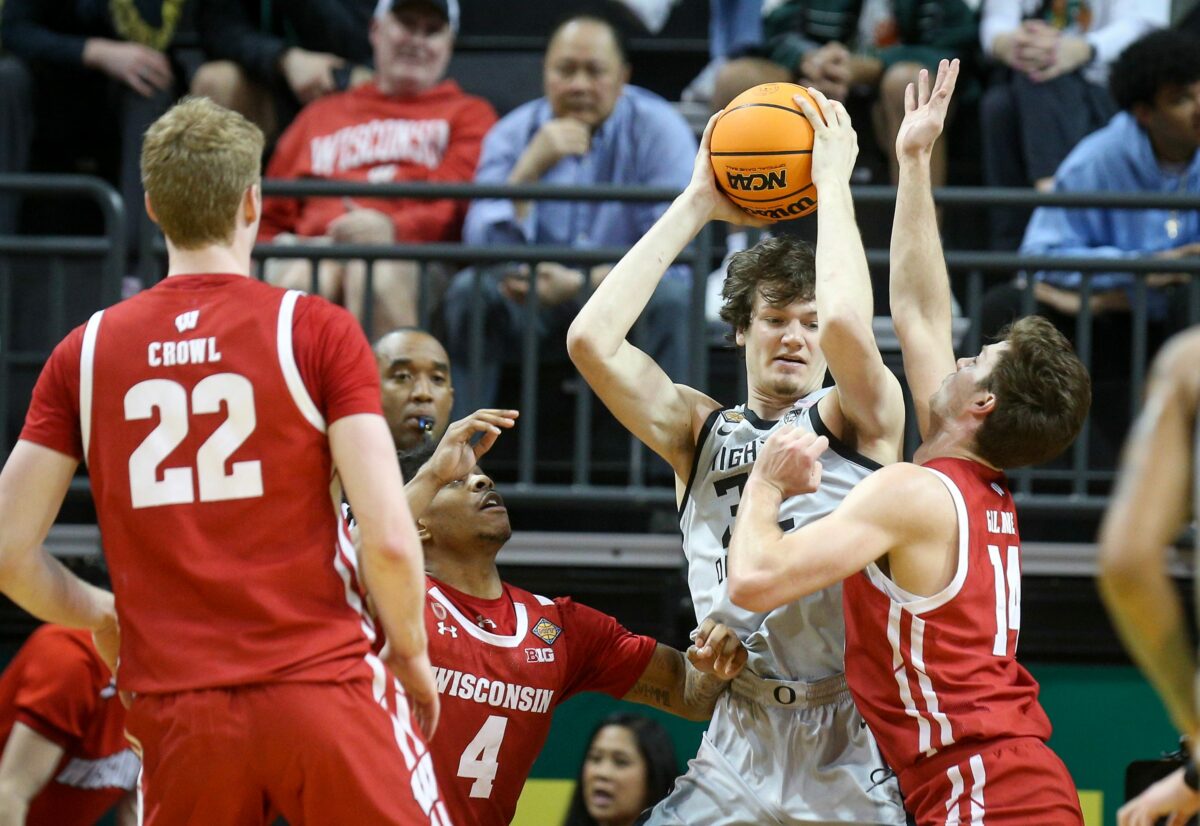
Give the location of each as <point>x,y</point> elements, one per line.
<point>785,690</point>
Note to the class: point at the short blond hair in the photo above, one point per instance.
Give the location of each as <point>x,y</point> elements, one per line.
<point>198,160</point>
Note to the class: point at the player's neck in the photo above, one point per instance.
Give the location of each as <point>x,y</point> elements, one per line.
<point>769,407</point>
<point>210,259</point>
<point>478,578</point>
<point>948,441</point>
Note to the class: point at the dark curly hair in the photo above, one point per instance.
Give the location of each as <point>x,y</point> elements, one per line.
<point>782,269</point>
<point>1166,57</point>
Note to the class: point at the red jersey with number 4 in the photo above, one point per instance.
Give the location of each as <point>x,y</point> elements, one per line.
<point>931,674</point>
<point>58,686</point>
<point>502,666</point>
<point>201,407</point>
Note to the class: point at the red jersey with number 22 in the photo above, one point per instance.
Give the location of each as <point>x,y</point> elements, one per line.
<point>500,684</point>
<point>931,674</point>
<point>201,408</point>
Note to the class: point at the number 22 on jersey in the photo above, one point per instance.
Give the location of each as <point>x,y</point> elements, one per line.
<point>170,399</point>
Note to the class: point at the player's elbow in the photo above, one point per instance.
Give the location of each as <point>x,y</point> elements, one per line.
<point>583,344</point>
<point>750,590</point>
<point>1123,566</point>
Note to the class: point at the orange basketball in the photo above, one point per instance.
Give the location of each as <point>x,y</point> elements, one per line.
<point>761,151</point>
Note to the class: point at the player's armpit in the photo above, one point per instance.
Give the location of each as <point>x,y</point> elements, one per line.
<point>671,684</point>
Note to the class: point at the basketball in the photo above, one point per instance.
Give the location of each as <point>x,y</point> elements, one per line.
<point>761,152</point>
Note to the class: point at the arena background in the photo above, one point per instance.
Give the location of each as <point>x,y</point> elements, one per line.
<point>1104,713</point>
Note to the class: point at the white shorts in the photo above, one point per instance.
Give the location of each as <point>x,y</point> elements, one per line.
<point>782,753</point>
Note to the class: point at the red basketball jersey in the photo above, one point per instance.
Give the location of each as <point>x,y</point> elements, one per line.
<point>930,674</point>
<point>58,686</point>
<point>500,683</point>
<point>201,408</point>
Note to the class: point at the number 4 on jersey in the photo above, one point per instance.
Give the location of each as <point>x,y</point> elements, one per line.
<point>480,759</point>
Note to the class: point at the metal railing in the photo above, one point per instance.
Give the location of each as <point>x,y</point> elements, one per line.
<point>107,249</point>
<point>1075,486</point>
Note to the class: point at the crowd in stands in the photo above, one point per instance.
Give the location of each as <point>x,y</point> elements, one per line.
<point>1070,95</point>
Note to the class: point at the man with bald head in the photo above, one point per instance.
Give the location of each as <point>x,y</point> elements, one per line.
<point>414,372</point>
<point>591,127</point>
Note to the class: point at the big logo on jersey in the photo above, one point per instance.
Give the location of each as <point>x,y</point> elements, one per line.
<point>546,631</point>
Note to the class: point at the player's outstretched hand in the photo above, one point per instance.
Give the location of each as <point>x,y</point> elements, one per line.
<point>416,675</point>
<point>456,455</point>
<point>790,461</point>
<point>925,111</point>
<point>717,650</point>
<point>835,143</point>
<point>1169,798</point>
<point>703,187</point>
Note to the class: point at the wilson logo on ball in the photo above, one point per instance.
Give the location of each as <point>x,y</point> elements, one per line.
<point>757,181</point>
<point>795,208</point>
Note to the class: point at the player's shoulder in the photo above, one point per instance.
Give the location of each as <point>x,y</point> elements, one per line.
<point>1179,356</point>
<point>902,489</point>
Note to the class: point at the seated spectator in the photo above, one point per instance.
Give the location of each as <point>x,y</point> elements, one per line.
<point>408,124</point>
<point>628,767</point>
<point>65,760</point>
<point>267,76</point>
<point>1149,146</point>
<point>734,26</point>
<point>102,72</point>
<point>414,372</point>
<point>592,127</point>
<point>851,46</point>
<point>1050,88</point>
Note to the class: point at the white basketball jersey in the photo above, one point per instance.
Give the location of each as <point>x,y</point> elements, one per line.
<point>803,640</point>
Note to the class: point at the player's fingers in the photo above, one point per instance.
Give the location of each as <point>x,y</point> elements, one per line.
<point>922,87</point>
<point>819,445</point>
<point>910,98</point>
<point>702,633</point>
<point>946,85</point>
<point>706,138</point>
<point>810,111</point>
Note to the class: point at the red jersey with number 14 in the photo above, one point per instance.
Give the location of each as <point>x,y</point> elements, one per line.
<point>502,667</point>
<point>201,407</point>
<point>931,674</point>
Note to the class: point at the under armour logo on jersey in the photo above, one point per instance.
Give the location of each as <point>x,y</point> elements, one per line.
<point>187,321</point>
<point>443,629</point>
<point>998,489</point>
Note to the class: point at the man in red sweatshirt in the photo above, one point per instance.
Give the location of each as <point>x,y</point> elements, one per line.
<point>408,124</point>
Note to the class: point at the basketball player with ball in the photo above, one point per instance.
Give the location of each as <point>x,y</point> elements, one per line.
<point>931,552</point>
<point>786,744</point>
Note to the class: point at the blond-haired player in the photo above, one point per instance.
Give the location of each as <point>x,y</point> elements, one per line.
<point>212,412</point>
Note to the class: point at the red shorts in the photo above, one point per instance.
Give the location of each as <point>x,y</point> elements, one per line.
<point>1018,781</point>
<point>315,753</point>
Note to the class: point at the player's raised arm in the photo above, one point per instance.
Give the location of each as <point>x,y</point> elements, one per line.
<point>690,685</point>
<point>664,415</point>
<point>868,395</point>
<point>920,285</point>
<point>768,568</point>
<point>391,556</point>
<point>1146,514</point>
<point>458,452</point>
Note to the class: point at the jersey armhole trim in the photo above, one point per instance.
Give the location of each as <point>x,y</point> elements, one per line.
<point>837,445</point>
<point>709,423</point>
<point>287,362</point>
<point>87,363</point>
<point>913,603</point>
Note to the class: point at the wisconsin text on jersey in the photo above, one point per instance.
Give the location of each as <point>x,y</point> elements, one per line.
<point>493,692</point>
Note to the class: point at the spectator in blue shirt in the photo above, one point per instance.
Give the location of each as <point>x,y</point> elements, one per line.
<point>591,127</point>
<point>1150,146</point>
